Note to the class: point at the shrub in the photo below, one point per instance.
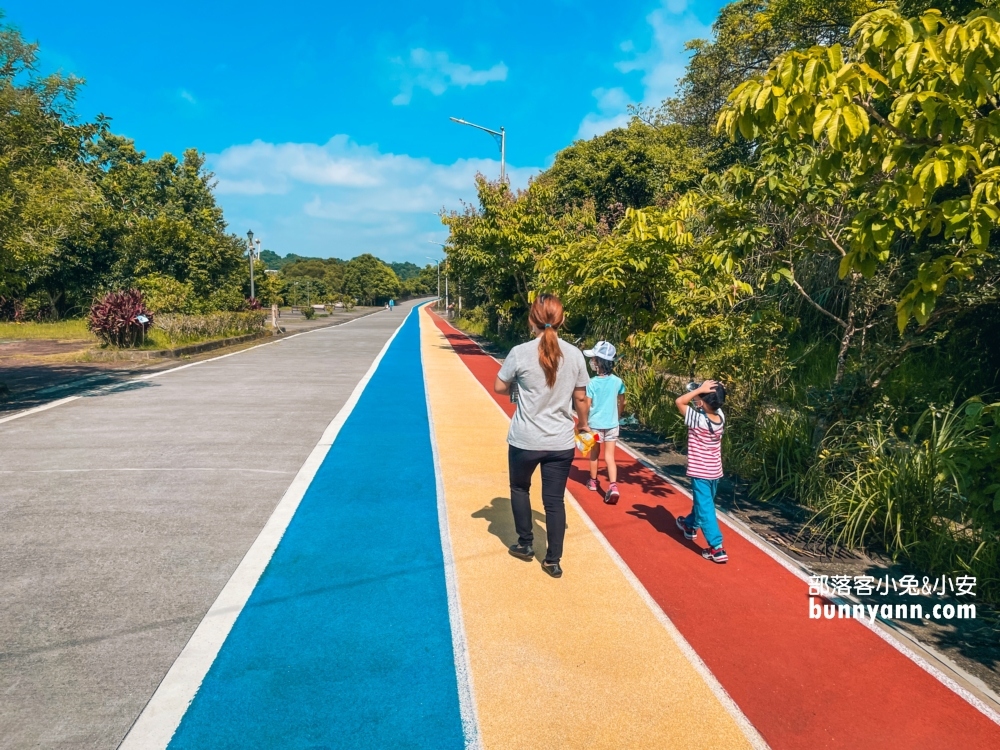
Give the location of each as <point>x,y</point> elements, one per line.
<point>346,300</point>
<point>11,309</point>
<point>227,299</point>
<point>37,307</point>
<point>113,318</point>
<point>187,328</point>
<point>165,294</point>
<point>308,312</point>
<point>474,320</point>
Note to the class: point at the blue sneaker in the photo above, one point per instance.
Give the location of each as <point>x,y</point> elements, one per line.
<point>690,532</point>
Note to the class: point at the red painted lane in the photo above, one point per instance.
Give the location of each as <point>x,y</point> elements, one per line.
<point>803,683</point>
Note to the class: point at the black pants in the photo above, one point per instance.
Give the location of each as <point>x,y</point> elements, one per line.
<point>555,472</point>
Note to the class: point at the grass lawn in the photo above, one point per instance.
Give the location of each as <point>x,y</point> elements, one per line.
<point>72,329</point>
<point>75,331</point>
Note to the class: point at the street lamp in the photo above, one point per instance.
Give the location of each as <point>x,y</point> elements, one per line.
<point>500,137</point>
<point>439,276</point>
<point>250,251</point>
<point>438,264</point>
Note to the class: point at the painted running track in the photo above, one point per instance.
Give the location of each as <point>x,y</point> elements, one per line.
<point>387,613</point>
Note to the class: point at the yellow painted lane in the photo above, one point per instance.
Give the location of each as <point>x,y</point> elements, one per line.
<point>578,662</point>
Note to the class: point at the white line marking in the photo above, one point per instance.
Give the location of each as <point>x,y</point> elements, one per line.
<point>162,715</point>
<point>940,676</point>
<point>149,376</point>
<point>463,669</point>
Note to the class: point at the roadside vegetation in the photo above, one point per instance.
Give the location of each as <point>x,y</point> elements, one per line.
<point>94,233</point>
<point>366,279</point>
<point>74,329</point>
<point>812,221</point>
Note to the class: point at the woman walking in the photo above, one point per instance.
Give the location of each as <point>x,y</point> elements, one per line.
<point>548,377</point>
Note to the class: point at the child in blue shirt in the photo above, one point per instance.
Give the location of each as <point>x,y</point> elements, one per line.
<point>607,401</point>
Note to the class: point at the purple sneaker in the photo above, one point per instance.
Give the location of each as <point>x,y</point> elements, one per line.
<point>592,485</point>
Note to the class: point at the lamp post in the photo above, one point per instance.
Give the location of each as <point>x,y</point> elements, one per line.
<point>257,242</point>
<point>250,251</point>
<point>500,136</point>
<point>438,264</point>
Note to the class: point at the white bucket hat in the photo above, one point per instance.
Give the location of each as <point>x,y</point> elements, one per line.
<point>602,349</point>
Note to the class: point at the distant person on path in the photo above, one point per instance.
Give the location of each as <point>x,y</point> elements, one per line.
<point>392,304</point>
<point>607,401</point>
<point>550,377</point>
<point>701,408</point>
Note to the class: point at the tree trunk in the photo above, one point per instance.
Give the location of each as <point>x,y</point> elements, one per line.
<point>845,339</point>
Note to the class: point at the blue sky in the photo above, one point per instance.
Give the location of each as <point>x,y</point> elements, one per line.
<point>327,125</point>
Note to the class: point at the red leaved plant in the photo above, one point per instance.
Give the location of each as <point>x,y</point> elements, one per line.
<point>117,318</point>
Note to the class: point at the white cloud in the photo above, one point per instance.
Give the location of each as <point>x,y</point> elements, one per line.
<point>260,168</point>
<point>435,72</point>
<point>673,24</point>
<point>611,113</point>
<point>187,96</point>
<point>342,199</point>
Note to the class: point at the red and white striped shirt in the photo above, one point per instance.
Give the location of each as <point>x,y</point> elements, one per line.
<point>704,444</point>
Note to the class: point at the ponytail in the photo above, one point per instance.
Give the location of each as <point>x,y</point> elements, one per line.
<point>546,314</point>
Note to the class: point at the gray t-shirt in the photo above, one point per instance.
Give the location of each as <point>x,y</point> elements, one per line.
<point>544,417</point>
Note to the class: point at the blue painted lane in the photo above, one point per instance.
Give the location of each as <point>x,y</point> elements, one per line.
<point>345,641</point>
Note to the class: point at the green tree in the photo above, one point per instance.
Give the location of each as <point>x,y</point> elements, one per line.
<point>169,221</point>
<point>422,283</point>
<point>494,247</point>
<point>624,168</point>
<point>906,126</point>
<point>405,271</point>
<point>747,36</point>
<point>45,196</point>
<point>369,280</point>
<point>327,274</point>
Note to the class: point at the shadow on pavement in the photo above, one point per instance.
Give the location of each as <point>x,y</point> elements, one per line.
<point>68,381</point>
<point>501,523</point>
<point>664,522</point>
<point>632,474</point>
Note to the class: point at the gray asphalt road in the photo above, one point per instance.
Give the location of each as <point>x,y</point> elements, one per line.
<point>122,516</point>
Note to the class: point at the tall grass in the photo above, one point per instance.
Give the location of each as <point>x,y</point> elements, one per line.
<point>650,395</point>
<point>927,496</point>
<point>474,320</point>
<point>773,452</point>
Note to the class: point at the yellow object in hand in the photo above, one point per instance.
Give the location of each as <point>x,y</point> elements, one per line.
<point>586,441</point>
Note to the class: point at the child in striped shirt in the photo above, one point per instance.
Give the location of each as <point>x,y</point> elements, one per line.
<point>701,408</point>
